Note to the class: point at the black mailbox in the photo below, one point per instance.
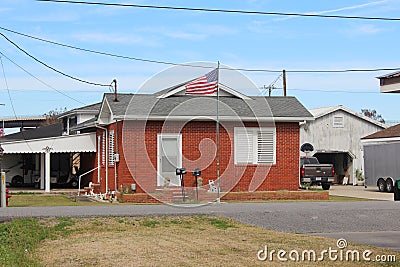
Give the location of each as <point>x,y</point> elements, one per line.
<point>196,172</point>
<point>180,171</point>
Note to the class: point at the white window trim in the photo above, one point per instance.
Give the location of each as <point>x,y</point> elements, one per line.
<point>178,136</point>
<point>253,136</point>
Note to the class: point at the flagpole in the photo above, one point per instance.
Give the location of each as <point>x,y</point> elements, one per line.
<point>217,141</point>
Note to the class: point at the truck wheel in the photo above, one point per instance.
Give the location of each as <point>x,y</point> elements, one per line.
<point>74,184</point>
<point>381,185</point>
<point>17,181</point>
<point>389,185</point>
<point>326,186</point>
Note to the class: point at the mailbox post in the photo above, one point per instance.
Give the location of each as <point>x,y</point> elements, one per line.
<point>196,173</point>
<point>180,172</point>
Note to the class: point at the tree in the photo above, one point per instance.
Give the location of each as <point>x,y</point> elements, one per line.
<point>52,116</point>
<point>371,113</point>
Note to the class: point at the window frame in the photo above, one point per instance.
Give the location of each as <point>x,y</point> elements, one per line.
<point>335,123</point>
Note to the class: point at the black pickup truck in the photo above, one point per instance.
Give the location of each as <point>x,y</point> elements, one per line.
<point>314,173</point>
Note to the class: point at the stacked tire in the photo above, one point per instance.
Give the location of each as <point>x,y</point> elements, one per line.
<point>396,190</point>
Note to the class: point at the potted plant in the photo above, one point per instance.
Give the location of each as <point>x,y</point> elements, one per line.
<point>360,177</point>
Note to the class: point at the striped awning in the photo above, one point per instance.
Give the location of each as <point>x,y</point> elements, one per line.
<point>60,144</point>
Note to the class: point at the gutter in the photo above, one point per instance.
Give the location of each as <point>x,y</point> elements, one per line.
<point>384,140</point>
<point>212,118</point>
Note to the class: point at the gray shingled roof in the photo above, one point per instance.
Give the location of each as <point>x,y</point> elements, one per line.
<point>258,106</point>
<point>92,108</point>
<point>389,75</point>
<point>51,130</point>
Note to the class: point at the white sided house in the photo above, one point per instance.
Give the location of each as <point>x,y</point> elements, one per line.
<point>336,136</point>
<point>390,83</point>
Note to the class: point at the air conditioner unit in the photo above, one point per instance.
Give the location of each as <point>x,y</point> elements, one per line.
<point>116,157</point>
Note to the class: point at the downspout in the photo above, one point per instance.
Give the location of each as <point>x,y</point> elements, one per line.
<point>98,159</point>
<point>106,153</point>
<point>116,152</point>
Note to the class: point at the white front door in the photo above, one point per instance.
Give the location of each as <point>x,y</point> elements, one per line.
<point>169,157</point>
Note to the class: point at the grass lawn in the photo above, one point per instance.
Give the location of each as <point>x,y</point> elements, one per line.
<point>156,241</point>
<point>37,200</point>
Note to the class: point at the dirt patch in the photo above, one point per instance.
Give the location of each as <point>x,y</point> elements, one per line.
<point>170,241</point>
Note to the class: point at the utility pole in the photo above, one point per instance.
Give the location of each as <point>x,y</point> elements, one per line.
<point>2,133</point>
<point>3,197</point>
<point>3,182</point>
<point>284,82</point>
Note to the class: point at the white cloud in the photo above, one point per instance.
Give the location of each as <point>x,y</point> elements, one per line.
<point>114,39</point>
<point>192,32</point>
<point>212,29</point>
<point>261,27</point>
<point>184,35</point>
<point>369,29</point>
<point>351,7</point>
<point>354,7</point>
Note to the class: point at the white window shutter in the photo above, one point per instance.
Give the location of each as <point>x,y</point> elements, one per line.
<point>266,146</point>
<point>255,145</point>
<point>111,148</point>
<point>244,152</point>
<point>103,149</point>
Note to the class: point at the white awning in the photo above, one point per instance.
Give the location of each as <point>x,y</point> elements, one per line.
<point>60,144</point>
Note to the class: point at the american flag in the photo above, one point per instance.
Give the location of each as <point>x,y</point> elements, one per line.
<point>205,85</point>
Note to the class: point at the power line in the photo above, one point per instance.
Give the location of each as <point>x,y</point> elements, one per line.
<point>248,12</point>
<point>8,89</point>
<point>104,53</point>
<point>192,65</point>
<point>42,82</point>
<point>47,90</point>
<point>50,67</point>
<point>271,86</point>
<point>11,101</point>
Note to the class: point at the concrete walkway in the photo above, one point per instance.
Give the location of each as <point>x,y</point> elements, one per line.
<point>360,192</point>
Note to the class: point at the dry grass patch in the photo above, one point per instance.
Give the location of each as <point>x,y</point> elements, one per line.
<point>174,241</point>
<point>43,200</point>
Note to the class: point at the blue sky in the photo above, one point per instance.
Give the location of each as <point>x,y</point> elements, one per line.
<point>236,40</point>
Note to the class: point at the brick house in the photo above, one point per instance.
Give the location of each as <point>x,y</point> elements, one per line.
<point>142,138</point>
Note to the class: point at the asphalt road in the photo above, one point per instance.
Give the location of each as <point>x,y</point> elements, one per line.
<point>374,223</point>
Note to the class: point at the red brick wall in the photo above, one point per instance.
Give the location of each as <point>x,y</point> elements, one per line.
<point>239,196</point>
<point>139,152</point>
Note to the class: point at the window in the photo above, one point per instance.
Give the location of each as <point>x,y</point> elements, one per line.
<point>255,145</point>
<point>111,158</point>
<point>338,122</point>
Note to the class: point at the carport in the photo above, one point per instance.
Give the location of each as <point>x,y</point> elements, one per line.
<point>342,162</point>
<point>80,143</point>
